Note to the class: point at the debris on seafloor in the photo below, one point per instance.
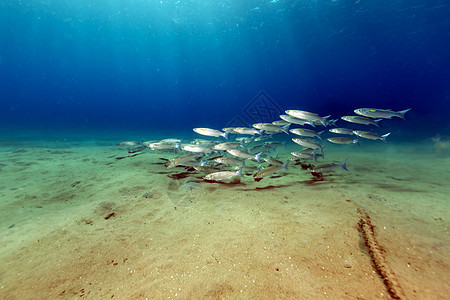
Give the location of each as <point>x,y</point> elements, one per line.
<point>379,261</point>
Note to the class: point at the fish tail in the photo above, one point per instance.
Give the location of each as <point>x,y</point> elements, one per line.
<point>239,172</point>
<point>384,136</point>
<point>319,135</point>
<point>285,165</point>
<point>285,128</point>
<point>225,135</point>
<point>258,157</point>
<point>343,165</point>
<point>356,141</point>
<point>401,114</point>
<point>324,120</point>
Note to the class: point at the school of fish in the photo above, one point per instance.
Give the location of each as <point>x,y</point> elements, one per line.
<point>231,153</point>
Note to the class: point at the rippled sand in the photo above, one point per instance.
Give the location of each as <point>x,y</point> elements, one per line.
<point>77,221</point>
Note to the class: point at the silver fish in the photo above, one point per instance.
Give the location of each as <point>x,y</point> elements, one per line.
<point>307,143</point>
<point>305,115</point>
<point>127,144</point>
<point>381,113</point>
<point>258,148</point>
<point>302,155</point>
<point>309,151</point>
<point>346,131</point>
<point>371,135</point>
<point>245,140</point>
<point>197,148</point>
<point>270,171</point>
<point>182,160</point>
<point>202,142</point>
<point>223,175</point>
<point>211,132</point>
<point>294,120</point>
<point>261,138</point>
<point>246,130</point>
<point>229,161</point>
<point>146,143</point>
<point>280,123</point>
<point>305,156</point>
<point>206,169</point>
<point>269,127</point>
<point>274,144</point>
<point>229,130</point>
<point>272,161</point>
<point>306,132</point>
<point>226,146</point>
<point>330,167</point>
<point>246,169</point>
<point>161,146</point>
<point>245,155</point>
<point>361,120</point>
<point>171,141</point>
<point>343,140</point>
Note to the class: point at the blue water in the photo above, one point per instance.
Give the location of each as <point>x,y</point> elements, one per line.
<point>143,66</point>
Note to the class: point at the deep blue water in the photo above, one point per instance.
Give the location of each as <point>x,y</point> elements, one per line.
<point>109,65</point>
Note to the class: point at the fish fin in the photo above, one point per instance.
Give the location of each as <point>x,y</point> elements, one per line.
<point>401,114</point>
<point>311,123</point>
<point>376,122</point>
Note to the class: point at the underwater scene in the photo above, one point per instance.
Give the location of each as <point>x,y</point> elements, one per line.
<point>252,149</point>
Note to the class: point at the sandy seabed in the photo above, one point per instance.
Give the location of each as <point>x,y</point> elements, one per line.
<point>75,221</point>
